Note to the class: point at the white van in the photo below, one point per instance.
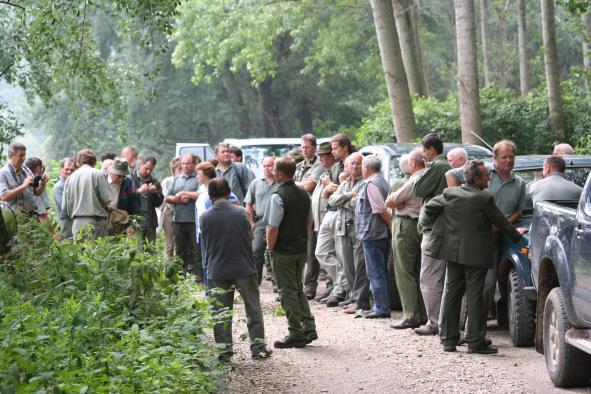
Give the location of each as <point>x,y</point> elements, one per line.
<point>203,150</point>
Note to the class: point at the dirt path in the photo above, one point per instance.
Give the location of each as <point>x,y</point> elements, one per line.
<point>361,355</point>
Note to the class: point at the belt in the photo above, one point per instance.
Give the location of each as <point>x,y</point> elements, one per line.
<point>332,209</point>
<point>92,217</point>
<point>405,217</point>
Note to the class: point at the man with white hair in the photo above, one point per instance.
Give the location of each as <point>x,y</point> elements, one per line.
<point>348,247</point>
<point>372,225</point>
<point>406,244</point>
<point>456,158</point>
<point>563,150</point>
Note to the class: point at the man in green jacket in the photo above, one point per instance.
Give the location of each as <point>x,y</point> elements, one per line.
<point>461,220</point>
<point>429,185</point>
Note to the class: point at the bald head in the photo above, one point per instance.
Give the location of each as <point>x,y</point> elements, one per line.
<point>130,155</point>
<point>457,157</point>
<point>563,149</point>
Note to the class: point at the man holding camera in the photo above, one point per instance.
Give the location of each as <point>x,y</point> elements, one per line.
<point>18,185</point>
<point>150,197</point>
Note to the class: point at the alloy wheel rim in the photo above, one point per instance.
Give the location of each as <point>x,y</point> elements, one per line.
<point>554,349</point>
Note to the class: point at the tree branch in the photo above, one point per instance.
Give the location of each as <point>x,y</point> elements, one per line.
<point>12,4</point>
<point>6,69</point>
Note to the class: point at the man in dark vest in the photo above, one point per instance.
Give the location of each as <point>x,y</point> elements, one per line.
<point>289,224</point>
<point>232,268</point>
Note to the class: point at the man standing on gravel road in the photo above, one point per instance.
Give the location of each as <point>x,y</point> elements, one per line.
<point>232,268</point>
<point>289,224</point>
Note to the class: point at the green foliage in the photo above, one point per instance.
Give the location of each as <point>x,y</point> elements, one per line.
<point>99,317</point>
<point>504,114</point>
<point>10,128</point>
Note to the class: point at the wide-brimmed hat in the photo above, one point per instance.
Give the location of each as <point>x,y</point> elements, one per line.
<point>324,148</point>
<point>119,167</point>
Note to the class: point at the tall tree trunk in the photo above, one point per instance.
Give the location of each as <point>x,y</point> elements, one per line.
<point>422,61</point>
<point>304,115</point>
<point>557,123</point>
<point>270,111</point>
<point>408,46</point>
<point>484,35</point>
<point>400,101</point>
<point>586,18</point>
<point>522,48</point>
<point>503,69</point>
<point>468,92</point>
<point>234,94</point>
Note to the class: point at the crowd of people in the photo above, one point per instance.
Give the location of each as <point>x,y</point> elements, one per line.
<point>327,215</point>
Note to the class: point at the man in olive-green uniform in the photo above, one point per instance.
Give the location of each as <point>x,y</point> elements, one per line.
<point>86,194</point>
<point>406,244</point>
<point>460,221</point>
<point>289,223</point>
<point>430,185</point>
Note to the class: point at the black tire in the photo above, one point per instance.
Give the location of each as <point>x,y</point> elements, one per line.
<point>521,312</point>
<point>567,366</point>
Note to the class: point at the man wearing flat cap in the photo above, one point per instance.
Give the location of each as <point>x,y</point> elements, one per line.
<point>123,191</point>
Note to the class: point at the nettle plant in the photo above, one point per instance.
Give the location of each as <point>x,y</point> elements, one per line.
<point>99,316</point>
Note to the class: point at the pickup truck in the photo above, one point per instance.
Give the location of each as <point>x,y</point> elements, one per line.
<point>517,306</point>
<point>560,253</point>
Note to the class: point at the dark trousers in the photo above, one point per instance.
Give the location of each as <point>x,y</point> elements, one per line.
<point>312,266</point>
<point>459,279</point>
<point>248,288</point>
<point>288,270</point>
<point>259,245</point>
<point>185,245</point>
<point>147,239</point>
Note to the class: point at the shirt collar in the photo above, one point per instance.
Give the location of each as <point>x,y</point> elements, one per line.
<point>560,174</point>
<point>221,201</point>
<point>494,170</point>
<point>371,177</point>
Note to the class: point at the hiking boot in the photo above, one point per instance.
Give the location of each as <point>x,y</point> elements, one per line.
<point>289,342</point>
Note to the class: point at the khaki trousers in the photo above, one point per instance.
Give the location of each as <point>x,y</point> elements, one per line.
<point>432,279</point>
<point>406,244</point>
<point>327,255</point>
<point>98,225</point>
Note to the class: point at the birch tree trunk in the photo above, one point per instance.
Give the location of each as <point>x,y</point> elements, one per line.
<point>484,35</point>
<point>522,48</point>
<point>468,91</point>
<point>398,93</point>
<point>408,46</point>
<point>557,123</point>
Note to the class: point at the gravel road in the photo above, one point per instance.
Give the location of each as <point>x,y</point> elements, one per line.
<point>361,355</point>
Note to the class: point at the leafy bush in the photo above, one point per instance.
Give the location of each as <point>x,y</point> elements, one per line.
<point>504,114</point>
<point>97,316</point>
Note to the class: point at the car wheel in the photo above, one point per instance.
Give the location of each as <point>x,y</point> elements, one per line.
<point>567,366</point>
<point>521,312</point>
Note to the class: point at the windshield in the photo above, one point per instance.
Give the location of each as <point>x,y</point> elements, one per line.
<point>577,175</point>
<point>254,154</point>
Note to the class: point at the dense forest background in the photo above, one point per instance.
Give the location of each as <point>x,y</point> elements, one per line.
<point>100,74</point>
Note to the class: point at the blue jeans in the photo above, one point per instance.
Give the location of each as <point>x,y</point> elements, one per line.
<point>376,253</point>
